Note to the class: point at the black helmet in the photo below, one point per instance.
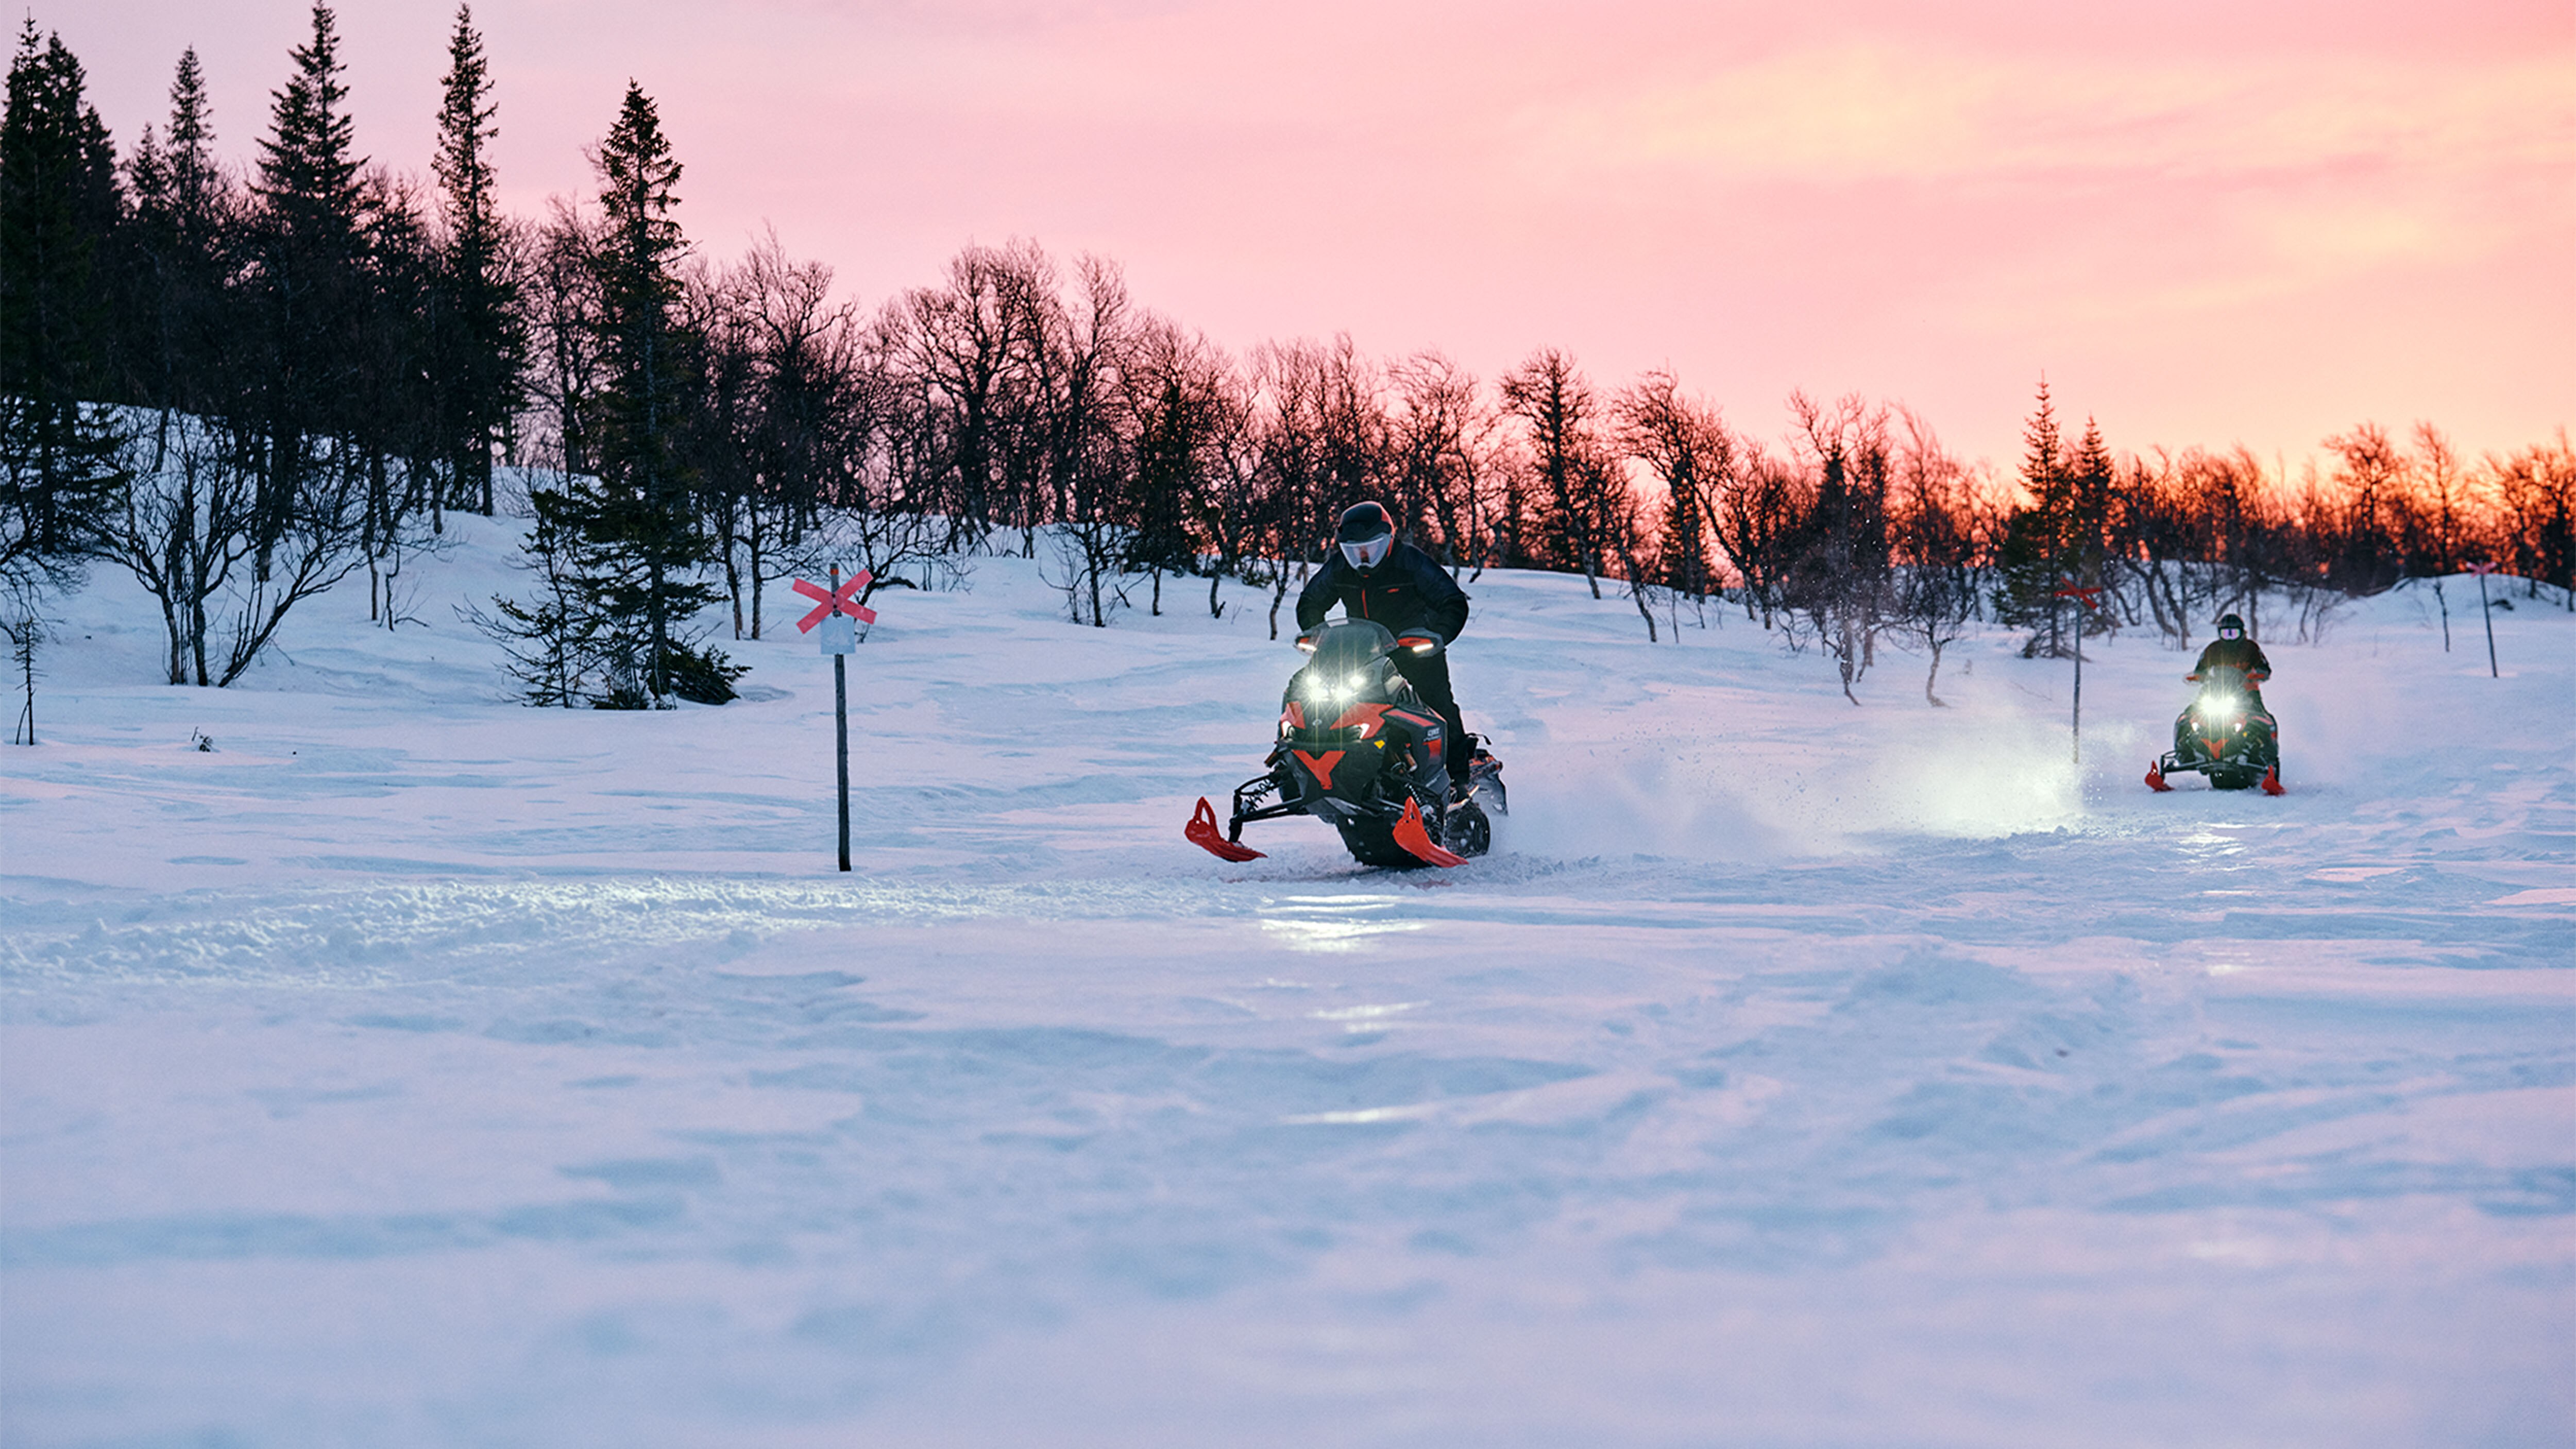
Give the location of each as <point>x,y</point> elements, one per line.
<point>2230,627</point>
<point>1366,534</point>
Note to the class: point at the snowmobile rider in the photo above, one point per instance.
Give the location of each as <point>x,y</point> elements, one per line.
<point>2232,647</point>
<point>1375,575</point>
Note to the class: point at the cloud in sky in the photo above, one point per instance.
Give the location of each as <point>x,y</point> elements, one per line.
<point>2258,221</point>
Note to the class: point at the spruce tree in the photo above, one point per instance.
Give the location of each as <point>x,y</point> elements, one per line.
<point>60,214</point>
<point>2084,531</point>
<point>311,250</point>
<point>180,330</point>
<point>2031,561</point>
<point>307,166</point>
<point>484,347</point>
<point>643,553</point>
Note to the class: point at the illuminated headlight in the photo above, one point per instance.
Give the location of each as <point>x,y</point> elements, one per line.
<point>1354,684</point>
<point>2226,708</point>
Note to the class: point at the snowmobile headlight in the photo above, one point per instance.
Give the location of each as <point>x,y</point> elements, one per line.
<point>1354,684</point>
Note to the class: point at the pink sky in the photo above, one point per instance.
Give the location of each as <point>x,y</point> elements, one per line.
<point>2207,221</point>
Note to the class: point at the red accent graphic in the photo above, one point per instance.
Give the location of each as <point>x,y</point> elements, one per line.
<point>843,600</point>
<point>1366,718</point>
<point>1323,768</point>
<point>1296,715</point>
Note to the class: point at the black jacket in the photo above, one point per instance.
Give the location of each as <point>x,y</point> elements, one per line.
<point>1408,591</point>
<point>2245,654</point>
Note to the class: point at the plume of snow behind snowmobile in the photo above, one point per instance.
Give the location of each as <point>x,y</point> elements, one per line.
<point>2225,735</point>
<point>1359,749</point>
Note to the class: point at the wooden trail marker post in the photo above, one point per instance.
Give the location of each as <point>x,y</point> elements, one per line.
<point>2090,599</point>
<point>839,613</point>
<point>2486,611</point>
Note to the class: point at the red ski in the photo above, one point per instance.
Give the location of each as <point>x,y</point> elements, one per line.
<point>1417,841</point>
<point>1202,832</point>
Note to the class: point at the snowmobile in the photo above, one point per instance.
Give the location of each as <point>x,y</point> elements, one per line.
<point>1359,749</point>
<point>2224,734</point>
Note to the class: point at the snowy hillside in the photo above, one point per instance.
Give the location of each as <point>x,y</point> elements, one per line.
<point>414,1068</point>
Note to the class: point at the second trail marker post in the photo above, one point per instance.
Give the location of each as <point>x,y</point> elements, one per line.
<point>840,613</point>
<point>2090,599</point>
<point>2487,612</point>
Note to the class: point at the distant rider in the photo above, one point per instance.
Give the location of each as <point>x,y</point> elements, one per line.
<point>1377,576</point>
<point>2232,647</point>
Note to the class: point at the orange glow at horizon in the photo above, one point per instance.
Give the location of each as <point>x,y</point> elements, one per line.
<point>2210,225</point>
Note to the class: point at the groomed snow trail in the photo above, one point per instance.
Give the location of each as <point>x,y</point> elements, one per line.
<point>415,1069</point>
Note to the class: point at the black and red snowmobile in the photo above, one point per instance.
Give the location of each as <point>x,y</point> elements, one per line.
<point>1360,750</point>
<point>2225,734</point>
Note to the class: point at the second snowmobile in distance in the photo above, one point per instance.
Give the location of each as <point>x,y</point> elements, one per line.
<point>1359,749</point>
<point>2225,734</point>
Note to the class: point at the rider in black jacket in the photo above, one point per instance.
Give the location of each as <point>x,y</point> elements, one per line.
<point>1375,575</point>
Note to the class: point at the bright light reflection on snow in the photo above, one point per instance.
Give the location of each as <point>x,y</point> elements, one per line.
<point>1332,935</point>
<point>1365,1013</point>
<point>1361,1117</point>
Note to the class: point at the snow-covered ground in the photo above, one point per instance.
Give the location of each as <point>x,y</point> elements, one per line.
<point>414,1068</point>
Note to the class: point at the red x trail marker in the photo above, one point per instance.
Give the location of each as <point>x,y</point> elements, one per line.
<point>839,600</point>
<point>843,600</point>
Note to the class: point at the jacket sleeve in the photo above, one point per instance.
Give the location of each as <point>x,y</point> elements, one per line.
<point>1444,604</point>
<point>1316,599</point>
<point>2262,666</point>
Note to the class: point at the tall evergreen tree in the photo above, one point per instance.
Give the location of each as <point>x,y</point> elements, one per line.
<point>643,553</point>
<point>2084,527</point>
<point>311,250</point>
<point>60,211</point>
<point>187,211</point>
<point>2032,560</point>
<point>308,167</point>
<point>483,345</point>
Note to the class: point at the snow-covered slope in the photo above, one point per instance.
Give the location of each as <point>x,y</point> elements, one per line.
<point>416,1068</point>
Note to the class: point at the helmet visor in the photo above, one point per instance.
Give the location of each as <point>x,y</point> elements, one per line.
<point>1368,553</point>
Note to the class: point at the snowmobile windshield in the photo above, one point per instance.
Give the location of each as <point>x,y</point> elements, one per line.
<point>1350,659</point>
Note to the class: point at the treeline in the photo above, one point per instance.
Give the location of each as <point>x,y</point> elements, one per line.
<point>245,386</point>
